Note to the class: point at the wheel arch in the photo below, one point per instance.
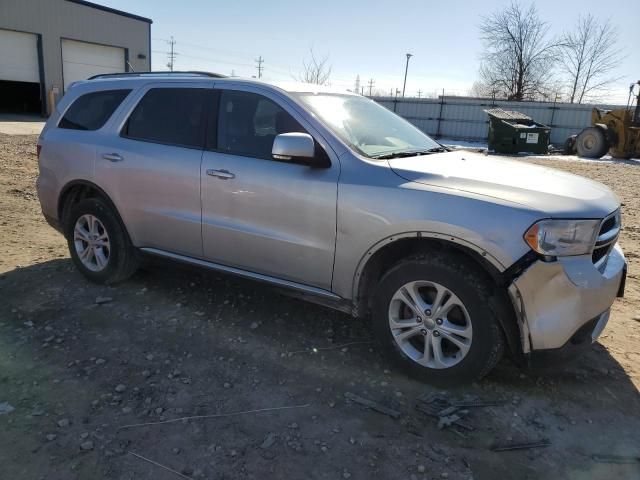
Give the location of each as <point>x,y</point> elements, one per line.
<point>77,190</point>
<point>387,252</point>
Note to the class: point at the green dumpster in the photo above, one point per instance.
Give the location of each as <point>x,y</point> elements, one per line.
<point>514,132</point>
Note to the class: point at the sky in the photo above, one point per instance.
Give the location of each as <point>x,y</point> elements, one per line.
<point>369,38</point>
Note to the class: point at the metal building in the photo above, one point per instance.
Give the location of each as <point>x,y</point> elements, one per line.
<point>45,45</point>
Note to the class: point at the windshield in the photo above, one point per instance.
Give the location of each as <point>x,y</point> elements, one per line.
<point>368,127</point>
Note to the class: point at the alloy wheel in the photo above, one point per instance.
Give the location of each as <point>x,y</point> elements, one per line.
<point>430,324</point>
<point>91,242</point>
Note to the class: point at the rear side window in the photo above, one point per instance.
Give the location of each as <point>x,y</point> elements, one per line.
<point>172,116</point>
<point>92,110</point>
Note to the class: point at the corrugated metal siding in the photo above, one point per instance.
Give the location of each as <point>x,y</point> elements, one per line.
<point>58,19</point>
<point>464,117</point>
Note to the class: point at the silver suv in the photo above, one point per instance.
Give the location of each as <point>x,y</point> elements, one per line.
<point>455,256</point>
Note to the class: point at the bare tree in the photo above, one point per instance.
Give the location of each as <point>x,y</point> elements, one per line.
<point>519,58</point>
<point>316,70</point>
<point>589,54</point>
<point>481,89</point>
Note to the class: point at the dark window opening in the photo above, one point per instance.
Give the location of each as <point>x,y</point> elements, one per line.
<point>248,123</point>
<point>172,116</point>
<point>92,110</point>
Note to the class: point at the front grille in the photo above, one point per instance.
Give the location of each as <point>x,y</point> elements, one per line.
<point>606,239</point>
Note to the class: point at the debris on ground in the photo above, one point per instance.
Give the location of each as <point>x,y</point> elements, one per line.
<point>521,446</point>
<point>372,405</point>
<point>103,300</point>
<point>450,412</point>
<point>615,458</point>
<point>159,465</point>
<point>5,408</point>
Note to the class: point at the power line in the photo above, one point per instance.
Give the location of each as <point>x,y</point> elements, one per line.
<point>371,82</point>
<point>259,61</point>
<point>172,54</point>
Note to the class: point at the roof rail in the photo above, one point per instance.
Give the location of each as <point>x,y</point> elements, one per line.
<point>143,74</point>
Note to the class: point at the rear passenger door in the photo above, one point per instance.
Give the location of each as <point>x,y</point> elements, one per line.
<point>150,167</point>
<point>262,215</point>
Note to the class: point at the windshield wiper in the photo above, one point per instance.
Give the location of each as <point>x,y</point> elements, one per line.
<point>410,153</point>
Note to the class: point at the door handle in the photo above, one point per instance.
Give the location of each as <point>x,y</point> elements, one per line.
<point>112,157</point>
<point>223,174</point>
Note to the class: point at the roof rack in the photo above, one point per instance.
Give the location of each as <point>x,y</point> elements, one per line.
<point>144,74</point>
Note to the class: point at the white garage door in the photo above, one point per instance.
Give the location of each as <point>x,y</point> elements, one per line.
<point>19,57</point>
<point>81,60</point>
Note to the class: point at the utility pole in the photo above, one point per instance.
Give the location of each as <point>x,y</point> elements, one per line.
<point>419,93</point>
<point>371,83</point>
<point>357,85</point>
<point>172,54</point>
<point>260,61</point>
<point>406,69</point>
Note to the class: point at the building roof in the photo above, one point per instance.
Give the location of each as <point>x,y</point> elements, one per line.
<point>111,10</point>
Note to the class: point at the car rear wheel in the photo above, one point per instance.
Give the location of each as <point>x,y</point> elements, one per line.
<point>432,317</point>
<point>98,244</point>
<point>592,143</point>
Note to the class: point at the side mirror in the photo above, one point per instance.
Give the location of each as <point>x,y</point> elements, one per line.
<point>295,147</point>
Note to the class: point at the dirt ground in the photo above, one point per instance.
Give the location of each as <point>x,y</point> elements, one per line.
<point>78,362</point>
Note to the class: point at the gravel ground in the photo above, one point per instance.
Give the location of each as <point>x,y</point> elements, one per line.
<point>78,362</point>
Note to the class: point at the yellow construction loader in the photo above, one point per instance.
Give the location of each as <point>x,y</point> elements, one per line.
<point>614,131</point>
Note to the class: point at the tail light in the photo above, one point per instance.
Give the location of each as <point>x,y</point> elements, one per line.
<point>38,148</point>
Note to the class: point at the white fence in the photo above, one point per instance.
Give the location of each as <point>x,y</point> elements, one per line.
<point>463,118</point>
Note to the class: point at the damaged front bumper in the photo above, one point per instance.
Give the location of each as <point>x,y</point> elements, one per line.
<point>563,305</point>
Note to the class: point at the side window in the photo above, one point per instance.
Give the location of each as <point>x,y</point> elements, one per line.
<point>173,116</point>
<point>248,123</point>
<point>92,110</point>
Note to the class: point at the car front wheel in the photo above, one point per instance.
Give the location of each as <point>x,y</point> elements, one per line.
<point>432,316</point>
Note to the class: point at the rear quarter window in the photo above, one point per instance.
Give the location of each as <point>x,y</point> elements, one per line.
<point>92,110</point>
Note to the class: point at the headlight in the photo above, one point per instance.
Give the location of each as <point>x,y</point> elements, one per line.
<point>562,237</point>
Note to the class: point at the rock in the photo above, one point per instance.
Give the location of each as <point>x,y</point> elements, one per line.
<point>637,318</point>
<point>254,325</point>
<point>150,357</point>
<point>268,441</point>
<point>64,423</point>
<point>421,469</point>
<point>127,410</point>
<point>5,408</point>
<point>84,435</point>
<point>175,450</point>
<point>444,475</point>
<point>120,388</point>
<point>146,373</point>
<point>51,437</point>
<point>227,385</point>
<point>103,300</point>
<point>100,361</point>
<point>87,445</point>
<point>346,474</point>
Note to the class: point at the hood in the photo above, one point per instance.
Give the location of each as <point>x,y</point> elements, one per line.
<point>555,193</point>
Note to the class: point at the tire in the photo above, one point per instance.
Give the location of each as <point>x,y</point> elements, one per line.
<point>430,274</point>
<point>592,143</point>
<point>112,258</point>
<point>569,147</point>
